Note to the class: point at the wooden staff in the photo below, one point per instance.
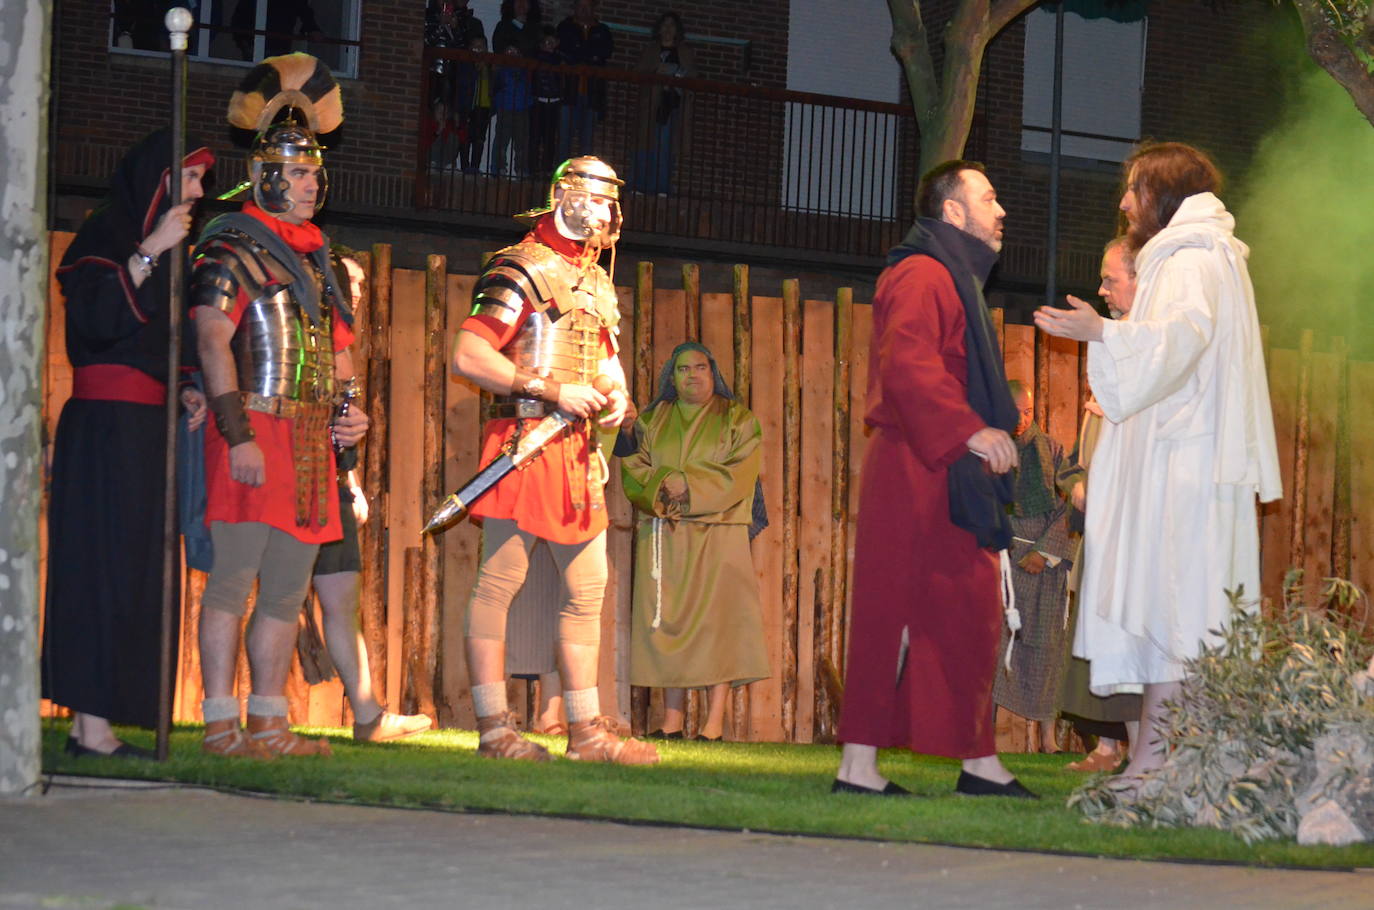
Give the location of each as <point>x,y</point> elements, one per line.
<point>432,478</point>
<point>691,295</point>
<point>372,535</point>
<point>742,335</point>
<point>179,22</point>
<point>839,491</point>
<point>791,494</point>
<point>1297,544</point>
<point>1341,500</point>
<point>643,393</point>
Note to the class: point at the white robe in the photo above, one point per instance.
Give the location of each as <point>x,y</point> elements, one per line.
<point>1187,446</point>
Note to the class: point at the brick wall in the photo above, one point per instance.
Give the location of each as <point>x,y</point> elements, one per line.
<point>1206,82</point>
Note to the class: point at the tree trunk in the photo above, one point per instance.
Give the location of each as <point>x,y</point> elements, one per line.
<point>1330,51</point>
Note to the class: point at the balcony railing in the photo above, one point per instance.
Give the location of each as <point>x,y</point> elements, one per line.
<point>715,164</point>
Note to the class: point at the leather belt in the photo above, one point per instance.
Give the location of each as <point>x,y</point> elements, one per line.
<point>276,405</point>
<point>520,407</point>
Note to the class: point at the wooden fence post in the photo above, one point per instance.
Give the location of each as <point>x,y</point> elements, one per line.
<point>432,481</point>
<point>829,668</point>
<point>691,293</point>
<point>372,535</point>
<point>791,492</point>
<point>1342,499</point>
<point>741,338</point>
<point>1297,545</point>
<point>643,393</point>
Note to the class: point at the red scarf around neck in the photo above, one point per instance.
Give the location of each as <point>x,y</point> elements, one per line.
<point>546,232</point>
<point>303,238</point>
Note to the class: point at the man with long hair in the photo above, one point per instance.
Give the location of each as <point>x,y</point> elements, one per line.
<point>1187,445</point>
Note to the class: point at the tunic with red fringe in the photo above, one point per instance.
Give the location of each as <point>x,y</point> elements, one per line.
<point>917,576</point>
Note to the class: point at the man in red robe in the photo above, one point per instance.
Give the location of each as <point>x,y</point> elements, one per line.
<point>926,608</point>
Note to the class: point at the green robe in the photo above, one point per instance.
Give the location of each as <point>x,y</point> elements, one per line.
<point>706,599</point>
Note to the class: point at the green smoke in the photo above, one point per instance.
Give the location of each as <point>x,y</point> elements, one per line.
<point>1308,215</point>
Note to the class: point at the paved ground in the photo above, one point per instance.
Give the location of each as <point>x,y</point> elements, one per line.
<point>133,845</point>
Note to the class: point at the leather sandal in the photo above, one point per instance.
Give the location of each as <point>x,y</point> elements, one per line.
<point>226,738</point>
<point>499,739</point>
<point>386,727</point>
<point>273,733</point>
<point>1094,762</point>
<point>554,729</point>
<point>596,740</point>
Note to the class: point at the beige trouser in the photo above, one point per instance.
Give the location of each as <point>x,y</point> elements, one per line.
<point>506,558</point>
<point>247,550</point>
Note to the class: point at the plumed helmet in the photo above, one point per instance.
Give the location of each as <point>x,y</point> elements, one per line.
<point>287,101</point>
<point>571,188</point>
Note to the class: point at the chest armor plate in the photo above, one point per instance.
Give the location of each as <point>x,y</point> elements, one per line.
<point>280,352</point>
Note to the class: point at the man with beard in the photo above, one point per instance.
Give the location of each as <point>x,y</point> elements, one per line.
<point>932,503</point>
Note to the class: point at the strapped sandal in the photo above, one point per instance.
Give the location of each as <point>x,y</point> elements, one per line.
<point>226,738</point>
<point>596,740</point>
<point>554,729</point>
<point>273,733</point>
<point>386,727</point>
<point>499,739</point>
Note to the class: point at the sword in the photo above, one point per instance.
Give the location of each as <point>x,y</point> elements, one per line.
<point>455,507</point>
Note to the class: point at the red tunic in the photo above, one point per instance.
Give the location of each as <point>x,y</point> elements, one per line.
<point>913,568</point>
<point>560,495</point>
<point>273,503</point>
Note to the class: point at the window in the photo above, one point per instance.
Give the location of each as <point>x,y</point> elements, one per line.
<point>244,31</point>
<point>1104,60</point>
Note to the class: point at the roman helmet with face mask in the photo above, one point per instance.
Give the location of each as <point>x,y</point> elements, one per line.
<point>287,101</point>
<point>572,188</point>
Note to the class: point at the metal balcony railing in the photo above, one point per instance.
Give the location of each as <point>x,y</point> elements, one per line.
<point>717,164</point>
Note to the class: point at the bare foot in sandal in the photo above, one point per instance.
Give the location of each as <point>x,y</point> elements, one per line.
<point>499,739</point>
<point>596,740</point>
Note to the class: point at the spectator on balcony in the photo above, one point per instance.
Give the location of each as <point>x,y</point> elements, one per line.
<point>521,24</point>
<point>664,111</point>
<point>443,139</point>
<point>548,100</point>
<point>286,20</point>
<point>512,98</point>
<point>583,41</point>
<point>450,24</point>
<point>474,95</point>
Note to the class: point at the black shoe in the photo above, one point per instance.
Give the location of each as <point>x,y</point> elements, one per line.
<point>973,785</point>
<point>123,750</point>
<point>659,734</point>
<point>708,739</point>
<point>892,789</point>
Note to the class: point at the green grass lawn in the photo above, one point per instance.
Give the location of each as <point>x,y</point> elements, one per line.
<point>758,787</point>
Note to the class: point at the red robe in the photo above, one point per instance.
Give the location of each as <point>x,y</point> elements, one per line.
<point>913,568</point>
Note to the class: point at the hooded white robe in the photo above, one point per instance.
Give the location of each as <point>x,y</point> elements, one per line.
<point>1187,446</point>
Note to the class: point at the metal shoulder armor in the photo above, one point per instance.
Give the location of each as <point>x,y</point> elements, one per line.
<point>227,263</point>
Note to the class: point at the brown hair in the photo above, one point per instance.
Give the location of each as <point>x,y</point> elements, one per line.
<point>1165,173</point>
<point>944,181</point>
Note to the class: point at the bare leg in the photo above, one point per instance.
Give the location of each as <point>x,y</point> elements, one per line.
<point>338,594</point>
<point>577,665</point>
<point>1148,752</point>
<point>219,651</point>
<point>674,710</point>
<point>486,660</point>
<point>270,644</point>
<point>550,700</point>
<point>715,711</point>
<point>1049,742</point>
<point>859,766</point>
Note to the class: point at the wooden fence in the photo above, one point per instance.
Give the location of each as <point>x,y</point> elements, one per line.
<point>802,365</point>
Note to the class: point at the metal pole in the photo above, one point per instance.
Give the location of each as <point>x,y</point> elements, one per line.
<point>178,22</point>
<point>1056,135</point>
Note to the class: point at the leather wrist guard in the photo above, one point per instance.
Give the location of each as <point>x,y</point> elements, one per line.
<point>528,385</point>
<point>230,418</point>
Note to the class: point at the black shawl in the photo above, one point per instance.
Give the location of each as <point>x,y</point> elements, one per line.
<point>978,499</point>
